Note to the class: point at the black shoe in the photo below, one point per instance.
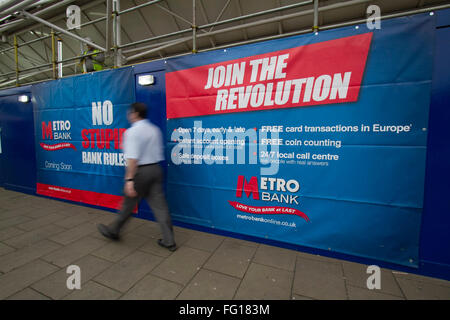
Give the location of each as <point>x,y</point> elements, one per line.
<point>173,247</point>
<point>104,230</point>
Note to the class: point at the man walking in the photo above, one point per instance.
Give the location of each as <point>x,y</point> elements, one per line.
<point>143,150</point>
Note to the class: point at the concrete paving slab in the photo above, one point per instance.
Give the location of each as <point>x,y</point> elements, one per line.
<point>24,276</point>
<point>275,257</point>
<point>55,285</point>
<point>152,230</point>
<point>298,297</point>
<point>415,289</point>
<point>9,233</point>
<point>242,242</point>
<point>73,209</point>
<point>192,232</point>
<point>149,230</point>
<point>74,251</point>
<point>4,249</point>
<point>28,294</point>
<point>31,237</point>
<point>131,225</point>
<point>23,256</point>
<point>182,265</point>
<point>40,222</point>
<point>99,211</point>
<point>40,202</point>
<point>93,291</point>
<point>14,222</point>
<point>231,258</point>
<point>356,275</point>
<point>7,214</point>
<point>265,283</point>
<point>68,236</point>
<point>68,210</point>
<point>153,288</point>
<point>356,293</point>
<point>11,194</point>
<point>410,276</point>
<point>126,273</point>
<point>152,247</point>
<point>210,285</point>
<point>317,257</point>
<point>105,218</point>
<point>181,237</point>
<point>35,213</point>
<point>117,250</point>
<point>75,220</point>
<point>205,241</point>
<point>18,203</point>
<point>319,280</point>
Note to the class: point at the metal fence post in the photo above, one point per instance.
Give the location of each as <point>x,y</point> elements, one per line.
<point>16,59</point>
<point>53,55</point>
<point>316,16</point>
<point>194,29</point>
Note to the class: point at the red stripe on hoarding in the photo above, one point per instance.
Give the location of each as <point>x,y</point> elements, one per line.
<point>309,75</point>
<point>88,197</point>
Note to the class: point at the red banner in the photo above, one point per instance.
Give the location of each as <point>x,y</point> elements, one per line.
<point>321,73</point>
<point>59,146</point>
<point>267,210</point>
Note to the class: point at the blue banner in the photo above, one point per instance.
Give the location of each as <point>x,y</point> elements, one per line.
<point>79,123</point>
<point>317,140</point>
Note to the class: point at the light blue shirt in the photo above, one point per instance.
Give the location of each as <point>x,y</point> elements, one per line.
<point>143,141</point>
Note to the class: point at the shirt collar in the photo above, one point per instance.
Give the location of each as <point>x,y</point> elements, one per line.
<point>137,123</point>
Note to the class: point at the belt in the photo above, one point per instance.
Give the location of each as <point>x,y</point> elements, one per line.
<point>147,164</point>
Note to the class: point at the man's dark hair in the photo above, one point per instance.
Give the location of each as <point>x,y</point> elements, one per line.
<point>140,108</point>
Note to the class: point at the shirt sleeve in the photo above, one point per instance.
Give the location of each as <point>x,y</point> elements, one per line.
<point>130,145</point>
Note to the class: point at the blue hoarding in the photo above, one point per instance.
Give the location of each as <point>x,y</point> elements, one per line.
<point>314,140</point>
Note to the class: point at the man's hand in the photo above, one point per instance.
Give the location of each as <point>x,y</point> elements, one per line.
<point>129,189</point>
<point>130,172</point>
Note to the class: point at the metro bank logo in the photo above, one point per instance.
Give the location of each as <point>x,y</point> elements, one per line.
<point>56,130</point>
<point>281,191</point>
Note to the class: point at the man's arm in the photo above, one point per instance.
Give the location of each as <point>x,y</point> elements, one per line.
<point>100,57</point>
<point>129,174</point>
<point>131,168</point>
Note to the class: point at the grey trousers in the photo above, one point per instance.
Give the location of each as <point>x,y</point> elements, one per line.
<point>148,183</point>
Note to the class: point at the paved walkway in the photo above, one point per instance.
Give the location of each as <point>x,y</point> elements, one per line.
<point>39,238</point>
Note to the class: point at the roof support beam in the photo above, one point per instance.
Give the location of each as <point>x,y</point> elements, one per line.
<point>239,6</point>
<point>149,29</point>
<point>20,22</point>
<point>174,14</point>
<point>205,16</point>
<point>34,50</point>
<point>280,24</point>
<point>220,14</point>
<point>251,24</point>
<point>9,4</point>
<point>226,21</point>
<point>51,25</point>
<point>139,6</point>
<point>176,22</point>
<point>21,5</point>
<point>256,14</point>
